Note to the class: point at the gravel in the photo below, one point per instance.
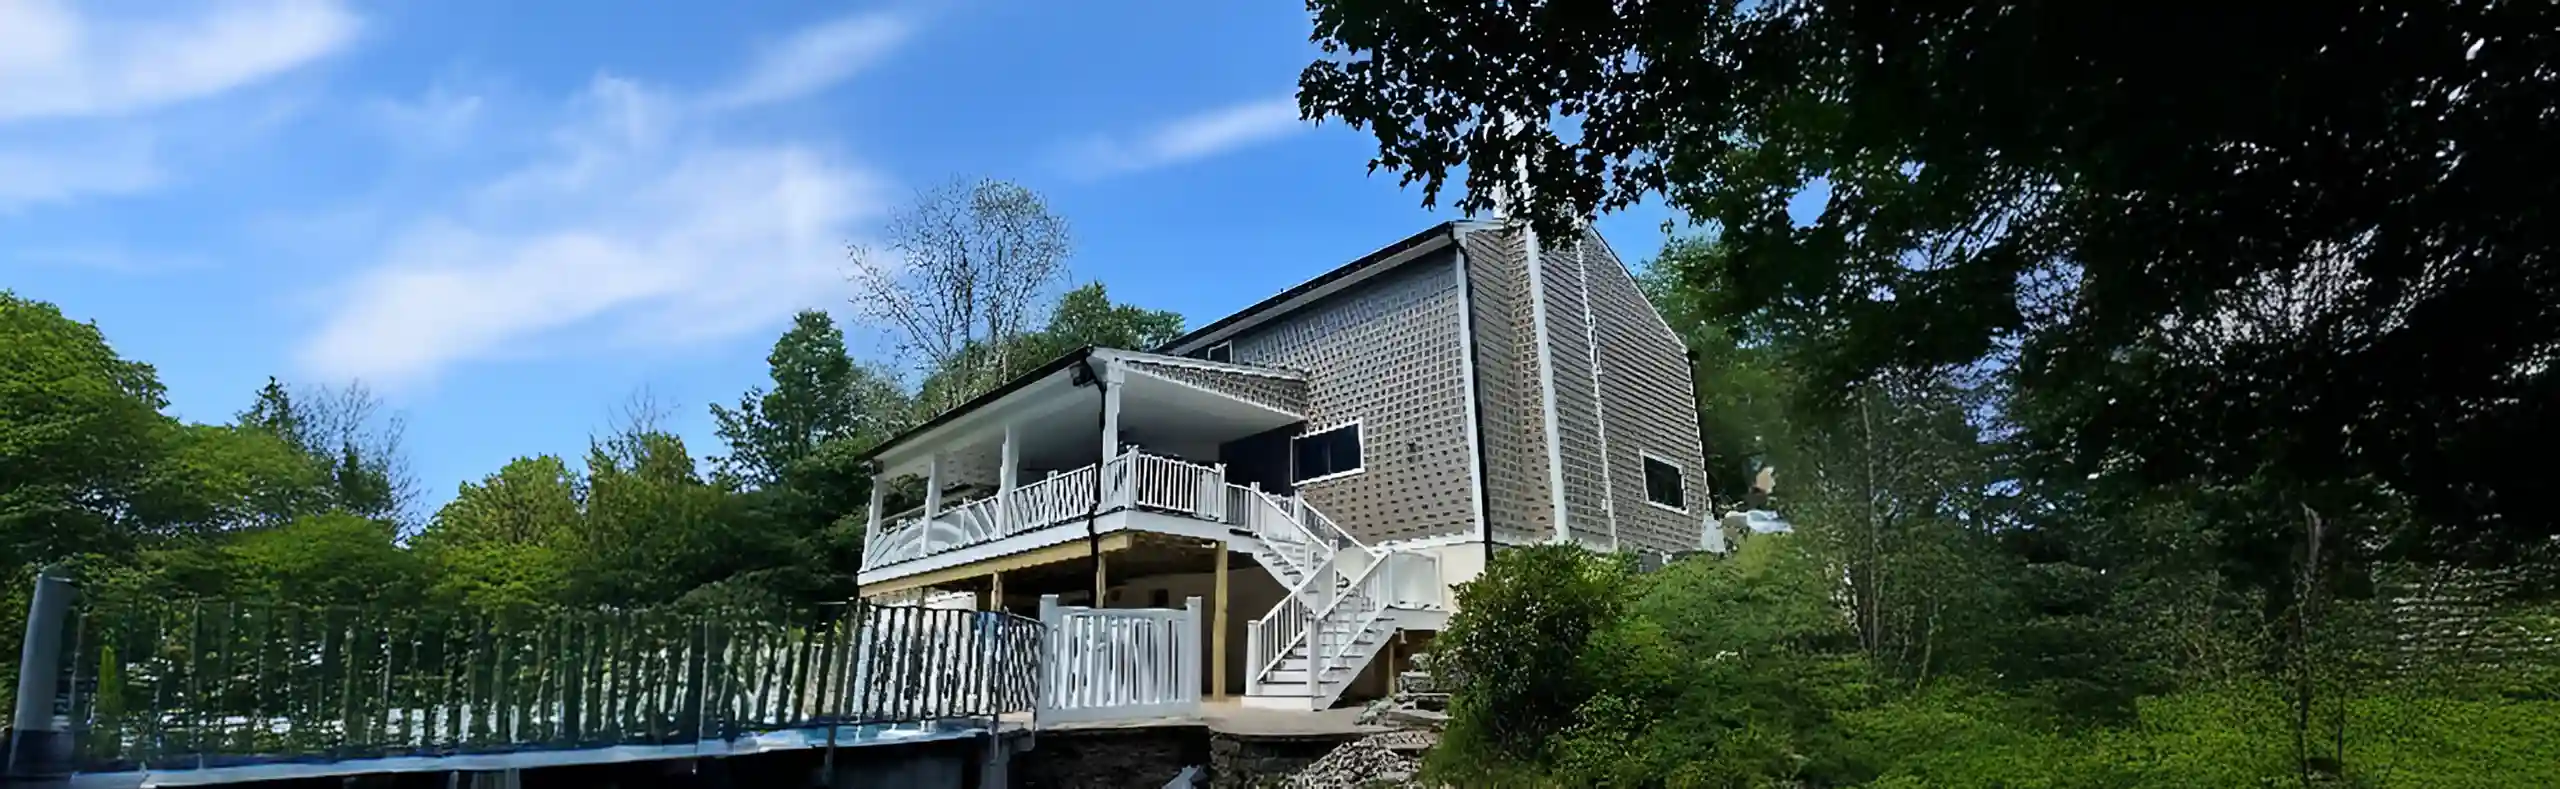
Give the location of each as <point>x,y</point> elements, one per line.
<point>1388,759</point>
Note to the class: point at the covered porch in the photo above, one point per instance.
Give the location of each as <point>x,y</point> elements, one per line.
<point>1104,441</point>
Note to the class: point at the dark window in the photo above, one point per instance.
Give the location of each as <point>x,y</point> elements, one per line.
<point>1328,453</point>
<point>1662,484</point>
<point>1221,352</point>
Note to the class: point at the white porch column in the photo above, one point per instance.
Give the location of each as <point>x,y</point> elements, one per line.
<point>879,495</point>
<point>933,487</point>
<point>1008,473</point>
<point>1115,379</point>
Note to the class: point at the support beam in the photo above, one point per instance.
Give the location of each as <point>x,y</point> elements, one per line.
<point>1101,577</point>
<point>1115,378</point>
<point>933,488</point>
<point>1218,625</point>
<point>879,495</point>
<point>1008,475</point>
<point>995,591</point>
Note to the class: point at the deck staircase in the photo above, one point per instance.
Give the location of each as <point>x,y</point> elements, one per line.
<point>1345,600</point>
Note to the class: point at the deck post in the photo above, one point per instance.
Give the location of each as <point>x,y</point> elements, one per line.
<point>1101,578</point>
<point>1111,412</point>
<point>879,496</point>
<point>933,488</point>
<point>1008,475</point>
<point>1190,665</point>
<point>1218,626</point>
<point>995,591</point>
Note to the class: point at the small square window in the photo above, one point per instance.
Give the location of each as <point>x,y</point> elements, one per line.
<point>1221,352</point>
<point>1662,484</point>
<point>1326,454</point>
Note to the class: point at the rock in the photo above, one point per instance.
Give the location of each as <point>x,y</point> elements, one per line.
<point>1417,717</point>
<point>1426,701</point>
<point>1376,760</point>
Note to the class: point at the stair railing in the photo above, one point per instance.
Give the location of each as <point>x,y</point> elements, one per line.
<point>1271,637</point>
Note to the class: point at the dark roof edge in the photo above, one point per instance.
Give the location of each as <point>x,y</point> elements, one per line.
<point>1069,359</point>
<point>1446,227</point>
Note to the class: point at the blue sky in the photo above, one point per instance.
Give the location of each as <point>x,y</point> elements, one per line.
<point>506,218</point>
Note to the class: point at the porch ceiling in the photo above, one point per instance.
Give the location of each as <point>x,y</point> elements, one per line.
<point>1163,413</point>
<point>1172,407</point>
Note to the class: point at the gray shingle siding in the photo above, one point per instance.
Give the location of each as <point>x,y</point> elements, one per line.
<point>1384,352</point>
<point>1650,402</point>
<point>1512,428</point>
<point>1579,426</point>
<point>1632,396</point>
<point>1275,393</point>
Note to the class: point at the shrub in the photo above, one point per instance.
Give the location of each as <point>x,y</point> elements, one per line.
<point>1513,653</point>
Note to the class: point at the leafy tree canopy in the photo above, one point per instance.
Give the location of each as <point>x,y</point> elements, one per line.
<point>80,429</point>
<point>2310,250</point>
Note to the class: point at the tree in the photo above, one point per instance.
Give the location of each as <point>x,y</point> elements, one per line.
<point>333,559</point>
<point>1085,316</point>
<point>505,541</point>
<point>1748,405</point>
<point>343,431</point>
<point>273,412</point>
<point>819,395</point>
<point>363,447</point>
<point>653,528</point>
<point>217,479</point>
<point>80,431</point>
<point>970,265</point>
<point>2023,185</point>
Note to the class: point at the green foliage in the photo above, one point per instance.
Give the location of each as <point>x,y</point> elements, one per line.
<point>503,542</point>
<point>819,395</point>
<point>2263,266</point>
<point>219,479</point>
<point>1742,671</point>
<point>80,431</point>
<point>1085,316</point>
<point>1514,653</point>
<point>334,559</point>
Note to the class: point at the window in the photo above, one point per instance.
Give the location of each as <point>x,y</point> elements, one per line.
<point>1662,484</point>
<point>1328,454</point>
<point>1221,352</point>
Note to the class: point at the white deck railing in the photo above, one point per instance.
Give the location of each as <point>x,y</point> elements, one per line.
<point>1058,499</point>
<point>1119,664</point>
<point>1267,517</point>
<point>1133,479</point>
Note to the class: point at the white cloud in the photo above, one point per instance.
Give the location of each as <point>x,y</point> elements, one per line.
<point>815,59</point>
<point>60,168</point>
<point>1190,138</point>
<point>73,83</point>
<point>639,222</point>
<point>438,119</point>
<point>56,62</point>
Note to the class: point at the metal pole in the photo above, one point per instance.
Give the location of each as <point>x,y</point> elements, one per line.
<point>39,743</point>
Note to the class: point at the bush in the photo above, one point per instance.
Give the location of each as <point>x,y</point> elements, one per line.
<point>1514,652</point>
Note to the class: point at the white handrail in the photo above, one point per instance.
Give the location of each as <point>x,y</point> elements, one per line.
<point>1267,520</point>
<point>1367,595</point>
<point>1060,498</point>
<point>1169,484</point>
<point>1275,633</point>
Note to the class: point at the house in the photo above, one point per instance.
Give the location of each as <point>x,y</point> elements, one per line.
<point>1322,467</point>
